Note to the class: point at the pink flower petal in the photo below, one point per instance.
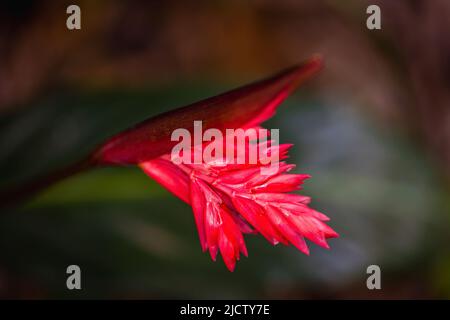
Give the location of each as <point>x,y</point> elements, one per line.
<point>198,203</point>
<point>168,175</point>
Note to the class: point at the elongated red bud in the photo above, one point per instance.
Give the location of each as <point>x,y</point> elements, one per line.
<point>243,107</point>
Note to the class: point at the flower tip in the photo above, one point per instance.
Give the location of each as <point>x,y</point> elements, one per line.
<point>309,67</point>
<point>317,59</point>
<point>306,251</point>
<point>287,146</point>
<point>213,253</point>
<point>324,244</point>
<point>231,267</point>
<point>330,234</point>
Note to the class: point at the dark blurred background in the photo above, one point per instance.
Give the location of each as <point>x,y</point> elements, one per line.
<point>373,129</point>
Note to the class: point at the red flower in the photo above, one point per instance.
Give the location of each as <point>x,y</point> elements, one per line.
<point>228,201</point>
<point>232,199</point>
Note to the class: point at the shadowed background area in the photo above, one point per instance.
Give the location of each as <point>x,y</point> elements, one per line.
<point>373,130</point>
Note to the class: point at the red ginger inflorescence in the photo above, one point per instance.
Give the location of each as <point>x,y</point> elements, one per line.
<point>231,199</point>
<point>228,198</point>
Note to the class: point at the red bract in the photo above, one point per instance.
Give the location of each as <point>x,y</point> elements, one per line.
<point>232,199</point>
<point>243,107</point>
<point>228,199</point>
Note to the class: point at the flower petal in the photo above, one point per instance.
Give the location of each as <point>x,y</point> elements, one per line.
<point>257,217</point>
<point>198,203</point>
<point>282,183</point>
<point>281,223</point>
<point>169,176</point>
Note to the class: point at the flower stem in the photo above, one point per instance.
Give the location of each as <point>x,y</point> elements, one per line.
<point>24,192</point>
